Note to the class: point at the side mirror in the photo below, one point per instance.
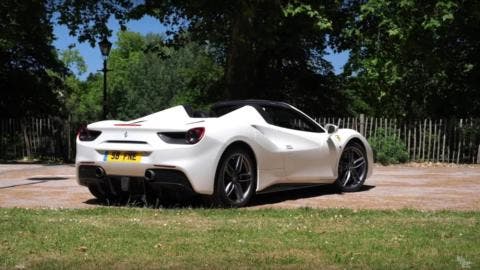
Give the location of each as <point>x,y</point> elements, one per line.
<point>331,128</point>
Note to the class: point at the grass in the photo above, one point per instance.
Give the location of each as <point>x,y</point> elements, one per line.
<point>135,238</point>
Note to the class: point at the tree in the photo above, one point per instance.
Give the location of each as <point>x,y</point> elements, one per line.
<point>72,60</point>
<point>27,61</point>
<point>148,76</point>
<point>82,100</point>
<point>414,59</point>
<point>87,19</point>
<point>268,49</point>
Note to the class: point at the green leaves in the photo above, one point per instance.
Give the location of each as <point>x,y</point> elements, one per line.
<point>148,76</point>
<point>29,66</point>
<point>388,148</point>
<point>319,15</point>
<point>407,58</point>
<point>87,19</point>
<point>410,59</point>
<point>72,59</point>
<point>431,23</point>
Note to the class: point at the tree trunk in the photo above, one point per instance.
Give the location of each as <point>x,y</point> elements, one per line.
<point>240,67</point>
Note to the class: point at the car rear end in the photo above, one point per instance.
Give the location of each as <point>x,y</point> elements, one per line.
<point>136,156</point>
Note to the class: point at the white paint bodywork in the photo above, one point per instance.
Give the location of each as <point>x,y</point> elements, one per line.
<point>283,155</point>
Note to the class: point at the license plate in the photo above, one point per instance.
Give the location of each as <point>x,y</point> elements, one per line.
<point>117,156</point>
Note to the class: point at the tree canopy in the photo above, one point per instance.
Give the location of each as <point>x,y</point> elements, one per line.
<point>415,59</point>
<point>145,76</point>
<point>149,76</point>
<point>407,59</point>
<point>27,60</point>
<point>267,49</point>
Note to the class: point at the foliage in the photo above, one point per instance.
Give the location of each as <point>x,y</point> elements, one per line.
<point>408,58</point>
<point>148,76</point>
<point>28,62</point>
<point>87,19</point>
<point>84,99</point>
<point>310,239</point>
<point>414,59</point>
<point>267,49</point>
<point>72,59</point>
<point>388,148</point>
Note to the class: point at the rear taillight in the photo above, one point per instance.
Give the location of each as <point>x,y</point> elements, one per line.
<point>194,135</point>
<point>87,135</point>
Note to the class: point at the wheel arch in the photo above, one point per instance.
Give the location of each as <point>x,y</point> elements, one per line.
<point>358,141</point>
<point>240,144</point>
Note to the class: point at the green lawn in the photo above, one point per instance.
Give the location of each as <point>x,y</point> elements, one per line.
<point>125,238</point>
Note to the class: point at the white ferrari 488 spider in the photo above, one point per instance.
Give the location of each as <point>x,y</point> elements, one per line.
<point>240,148</point>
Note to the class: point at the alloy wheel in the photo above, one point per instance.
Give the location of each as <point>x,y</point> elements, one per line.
<point>237,177</point>
<point>353,167</point>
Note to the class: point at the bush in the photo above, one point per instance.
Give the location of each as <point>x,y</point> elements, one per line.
<point>388,149</point>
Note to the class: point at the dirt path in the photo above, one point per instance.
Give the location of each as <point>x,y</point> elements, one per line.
<point>391,187</point>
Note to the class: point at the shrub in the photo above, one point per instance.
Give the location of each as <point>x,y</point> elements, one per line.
<point>387,148</point>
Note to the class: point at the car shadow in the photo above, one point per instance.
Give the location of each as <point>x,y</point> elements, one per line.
<point>57,164</point>
<point>200,202</point>
<point>38,180</point>
<point>299,193</point>
<point>47,178</point>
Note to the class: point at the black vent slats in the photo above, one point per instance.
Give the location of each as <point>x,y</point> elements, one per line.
<point>126,141</point>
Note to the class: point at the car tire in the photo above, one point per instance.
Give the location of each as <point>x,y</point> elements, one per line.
<point>352,168</point>
<point>236,178</point>
<point>98,192</point>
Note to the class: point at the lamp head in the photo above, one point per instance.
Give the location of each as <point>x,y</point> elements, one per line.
<point>105,47</point>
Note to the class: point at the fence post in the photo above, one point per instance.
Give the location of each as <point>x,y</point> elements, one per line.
<point>478,155</point>
<point>28,152</point>
<point>362,124</point>
<point>460,136</point>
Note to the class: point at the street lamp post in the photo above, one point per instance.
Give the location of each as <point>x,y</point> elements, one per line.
<point>105,47</point>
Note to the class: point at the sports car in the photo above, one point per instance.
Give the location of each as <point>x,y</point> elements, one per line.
<point>238,149</point>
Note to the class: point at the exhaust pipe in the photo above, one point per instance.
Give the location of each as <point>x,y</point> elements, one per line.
<point>99,172</point>
<point>149,175</point>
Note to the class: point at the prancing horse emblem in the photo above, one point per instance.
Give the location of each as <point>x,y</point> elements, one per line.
<point>125,135</point>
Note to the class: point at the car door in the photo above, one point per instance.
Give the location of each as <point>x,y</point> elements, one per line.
<point>309,152</point>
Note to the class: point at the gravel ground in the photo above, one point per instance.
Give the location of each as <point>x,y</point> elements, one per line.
<point>419,186</point>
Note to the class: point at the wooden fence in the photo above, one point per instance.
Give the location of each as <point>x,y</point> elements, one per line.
<point>440,140</point>
<point>45,138</point>
<point>453,140</point>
